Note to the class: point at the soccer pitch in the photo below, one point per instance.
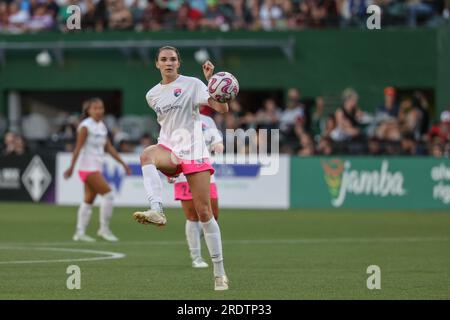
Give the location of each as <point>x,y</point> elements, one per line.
<point>269,254</point>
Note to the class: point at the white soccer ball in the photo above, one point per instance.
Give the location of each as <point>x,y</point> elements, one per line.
<point>223,87</point>
<point>44,59</point>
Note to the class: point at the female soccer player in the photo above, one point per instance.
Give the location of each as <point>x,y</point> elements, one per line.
<point>213,140</point>
<point>181,149</point>
<point>92,142</point>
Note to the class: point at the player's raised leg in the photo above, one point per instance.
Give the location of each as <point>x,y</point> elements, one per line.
<point>155,158</point>
<point>84,215</point>
<point>193,233</point>
<point>199,184</point>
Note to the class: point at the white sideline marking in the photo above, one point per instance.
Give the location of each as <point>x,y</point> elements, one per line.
<point>250,242</point>
<point>107,255</point>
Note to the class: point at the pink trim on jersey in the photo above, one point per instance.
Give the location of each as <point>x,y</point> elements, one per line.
<point>84,174</point>
<point>182,191</point>
<point>165,147</point>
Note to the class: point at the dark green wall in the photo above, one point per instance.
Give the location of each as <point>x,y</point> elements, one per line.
<point>326,62</point>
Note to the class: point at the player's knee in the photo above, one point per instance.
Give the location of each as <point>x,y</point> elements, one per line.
<point>148,155</point>
<point>203,211</point>
<point>109,196</point>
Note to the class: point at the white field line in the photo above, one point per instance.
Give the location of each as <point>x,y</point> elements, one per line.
<point>247,242</point>
<point>104,255</point>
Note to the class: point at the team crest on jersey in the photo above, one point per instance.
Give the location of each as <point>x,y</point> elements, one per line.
<point>177,92</point>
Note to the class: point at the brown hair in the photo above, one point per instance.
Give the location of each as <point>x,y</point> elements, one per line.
<point>86,105</point>
<point>168,48</point>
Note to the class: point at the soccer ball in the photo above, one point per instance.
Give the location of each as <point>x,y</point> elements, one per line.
<point>223,87</point>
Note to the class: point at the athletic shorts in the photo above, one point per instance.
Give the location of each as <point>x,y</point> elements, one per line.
<point>190,166</point>
<point>182,191</point>
<point>84,174</point>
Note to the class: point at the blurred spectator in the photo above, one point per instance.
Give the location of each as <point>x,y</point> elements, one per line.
<point>18,18</point>
<point>386,117</point>
<point>270,15</point>
<point>436,150</point>
<point>8,143</point>
<point>374,146</point>
<point>325,147</point>
<point>14,144</point>
<point>330,125</point>
<point>152,16</point>
<point>214,18</point>
<point>422,106</point>
<point>269,116</point>
<point>441,131</point>
<point>318,120</point>
<point>94,18</point>
<point>409,118</point>
<point>352,12</point>
<point>306,145</point>
<point>20,147</point>
<point>317,13</point>
<point>410,147</point>
<point>294,112</point>
<point>41,19</point>
<point>145,141</point>
<point>347,118</point>
<point>120,17</point>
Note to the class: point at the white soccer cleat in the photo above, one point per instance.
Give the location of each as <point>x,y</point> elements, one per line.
<point>221,283</point>
<point>150,217</point>
<point>107,235</point>
<point>199,263</point>
<point>82,237</point>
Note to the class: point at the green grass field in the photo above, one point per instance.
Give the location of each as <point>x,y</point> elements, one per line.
<point>269,254</point>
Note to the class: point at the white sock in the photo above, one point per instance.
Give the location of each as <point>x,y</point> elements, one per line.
<point>106,210</point>
<point>83,217</point>
<point>152,185</point>
<point>213,241</point>
<point>193,231</point>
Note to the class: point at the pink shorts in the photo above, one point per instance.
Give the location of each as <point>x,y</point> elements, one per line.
<point>182,191</point>
<point>190,166</point>
<point>84,174</point>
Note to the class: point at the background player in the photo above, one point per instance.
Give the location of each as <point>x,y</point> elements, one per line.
<point>214,142</point>
<point>92,142</point>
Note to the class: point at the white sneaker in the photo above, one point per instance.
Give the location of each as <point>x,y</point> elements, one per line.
<point>82,237</point>
<point>107,235</point>
<point>150,217</point>
<point>199,263</point>
<point>221,283</point>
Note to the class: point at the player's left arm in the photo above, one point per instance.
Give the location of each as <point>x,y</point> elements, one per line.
<point>113,152</point>
<point>208,71</point>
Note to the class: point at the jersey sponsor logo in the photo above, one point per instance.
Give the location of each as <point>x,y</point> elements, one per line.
<point>177,92</point>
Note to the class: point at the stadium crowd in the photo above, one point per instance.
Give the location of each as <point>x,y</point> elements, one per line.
<point>398,126</point>
<point>19,16</point>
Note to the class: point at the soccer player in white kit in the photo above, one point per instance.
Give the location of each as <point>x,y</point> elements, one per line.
<point>92,141</point>
<point>181,149</point>
<point>182,192</point>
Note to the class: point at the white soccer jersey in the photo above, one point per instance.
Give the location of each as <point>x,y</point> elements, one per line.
<point>92,153</point>
<point>177,107</point>
<point>211,135</point>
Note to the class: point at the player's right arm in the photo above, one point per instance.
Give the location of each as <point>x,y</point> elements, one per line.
<point>81,139</point>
